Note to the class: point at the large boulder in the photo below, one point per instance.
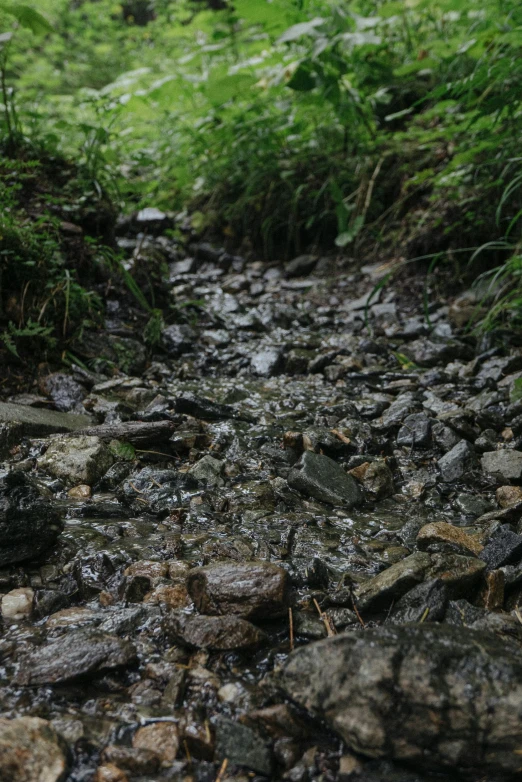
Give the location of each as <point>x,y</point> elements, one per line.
<point>29,524</point>
<point>433,696</point>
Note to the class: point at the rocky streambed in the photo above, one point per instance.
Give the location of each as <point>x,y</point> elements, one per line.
<point>285,544</point>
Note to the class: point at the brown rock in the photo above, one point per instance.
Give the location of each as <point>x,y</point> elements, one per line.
<point>508,495</point>
<point>212,632</point>
<point>81,492</point>
<point>31,751</point>
<point>162,738</point>
<point>249,589</point>
<point>178,570</point>
<point>175,596</point>
<point>278,721</point>
<point>441,532</point>
<point>136,760</point>
<point>110,773</point>
<point>492,593</point>
<point>149,569</point>
<point>459,574</point>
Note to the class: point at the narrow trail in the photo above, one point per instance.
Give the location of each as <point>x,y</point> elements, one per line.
<point>309,464</point>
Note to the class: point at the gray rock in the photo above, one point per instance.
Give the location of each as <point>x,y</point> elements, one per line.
<point>428,354</point>
<point>323,479</point>
<point>219,633</point>
<point>267,362</point>
<point>208,470</point>
<point>300,266</point>
<point>64,390</point>
<point>82,459</point>
<point>397,412</point>
<point>241,746</point>
<point>444,437</point>
<point>415,431</point>
<point>379,592</point>
<point>426,602</point>
<point>457,463</point>
<point>249,589</point>
<point>178,339</point>
<point>503,548</point>
<point>429,695</point>
<point>504,464</point>
<point>29,524</point>
<point>36,422</point>
<point>78,653</point>
<point>460,574</point>
<point>156,491</point>
<point>31,751</point>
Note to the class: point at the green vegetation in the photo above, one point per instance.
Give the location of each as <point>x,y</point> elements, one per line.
<point>388,128</point>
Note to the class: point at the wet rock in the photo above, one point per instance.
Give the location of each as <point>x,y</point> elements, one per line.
<point>29,524</point>
<point>388,693</point>
<point>31,751</point>
<point>440,533</point>
<point>379,592</point>
<point>250,589</point>
<point>136,760</point>
<point>178,339</point>
<point>503,548</point>
<point>75,460</point>
<point>77,653</point>
<point>323,479</point>
<point>108,772</point>
<point>426,602</point>
<point>378,480</point>
<point>207,409</point>
<point>492,594</point>
<point>267,362</point>
<point>428,354</point>
<point>472,505</point>
<point>242,747</point>
<point>219,633</point>
<point>457,463</point>
<point>415,431</point>
<point>161,738</point>
<point>152,571</point>
<point>297,361</point>
<point>300,266</point>
<point>35,422</point>
<point>66,393</point>
<point>156,491</point>
<point>18,603</point>
<point>504,465</point>
<point>81,492</point>
<point>93,574</point>
<point>460,574</point>
<point>47,601</point>
<point>507,496</point>
<point>444,437</point>
<point>487,441</point>
<point>208,470</point>
<point>173,596</point>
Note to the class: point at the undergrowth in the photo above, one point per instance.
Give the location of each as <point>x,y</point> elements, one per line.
<point>380,129</point>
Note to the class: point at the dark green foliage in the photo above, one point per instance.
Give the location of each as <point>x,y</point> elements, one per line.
<point>380,128</point>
